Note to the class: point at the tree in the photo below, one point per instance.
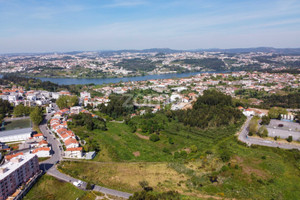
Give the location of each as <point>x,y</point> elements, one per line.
<point>65,101</point>
<point>262,132</point>
<point>89,186</point>
<point>21,110</point>
<point>265,120</point>
<point>275,112</point>
<point>290,138</point>
<point>36,115</point>
<point>253,126</point>
<point>5,108</point>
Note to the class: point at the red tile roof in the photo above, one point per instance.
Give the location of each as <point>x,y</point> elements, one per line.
<point>8,157</point>
<point>38,135</point>
<point>41,149</point>
<point>71,141</point>
<point>74,149</point>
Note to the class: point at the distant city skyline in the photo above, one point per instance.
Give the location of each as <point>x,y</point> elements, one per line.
<point>29,26</point>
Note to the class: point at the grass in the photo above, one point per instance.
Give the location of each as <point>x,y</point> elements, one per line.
<point>17,124</point>
<point>48,188</point>
<point>118,143</point>
<point>251,173</point>
<point>41,159</point>
<point>125,176</point>
<point>222,167</point>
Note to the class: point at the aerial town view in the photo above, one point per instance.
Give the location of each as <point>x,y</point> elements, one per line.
<point>149,100</point>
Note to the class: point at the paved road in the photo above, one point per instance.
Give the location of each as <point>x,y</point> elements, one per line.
<point>243,136</point>
<point>49,165</point>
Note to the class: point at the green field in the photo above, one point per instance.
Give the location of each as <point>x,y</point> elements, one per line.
<point>250,173</point>
<point>49,188</point>
<point>118,143</point>
<point>17,124</point>
<point>220,167</point>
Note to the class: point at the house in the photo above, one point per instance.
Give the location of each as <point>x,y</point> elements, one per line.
<point>38,136</point>
<point>75,109</point>
<point>9,157</point>
<point>73,152</point>
<point>43,143</point>
<point>42,151</point>
<point>248,112</point>
<point>71,143</point>
<point>85,94</point>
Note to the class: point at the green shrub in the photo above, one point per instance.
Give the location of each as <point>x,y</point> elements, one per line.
<point>171,141</point>
<point>154,138</point>
<point>225,157</point>
<point>290,138</point>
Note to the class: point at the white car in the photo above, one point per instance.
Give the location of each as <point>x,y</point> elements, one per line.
<point>78,183</point>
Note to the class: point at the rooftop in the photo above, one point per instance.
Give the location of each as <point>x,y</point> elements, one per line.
<point>10,167</point>
<point>15,132</point>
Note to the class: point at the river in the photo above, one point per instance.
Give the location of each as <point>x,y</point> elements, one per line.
<point>99,81</point>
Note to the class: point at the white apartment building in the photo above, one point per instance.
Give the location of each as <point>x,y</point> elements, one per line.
<point>15,172</point>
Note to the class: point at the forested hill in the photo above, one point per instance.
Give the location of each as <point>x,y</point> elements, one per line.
<point>212,109</point>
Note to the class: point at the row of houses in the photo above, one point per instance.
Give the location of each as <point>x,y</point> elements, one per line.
<point>58,124</point>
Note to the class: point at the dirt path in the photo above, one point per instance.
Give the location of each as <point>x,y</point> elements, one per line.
<point>142,136</point>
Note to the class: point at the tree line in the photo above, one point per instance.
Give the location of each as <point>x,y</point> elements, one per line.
<point>213,109</point>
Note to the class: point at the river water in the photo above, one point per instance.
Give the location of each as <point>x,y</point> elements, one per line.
<point>99,81</point>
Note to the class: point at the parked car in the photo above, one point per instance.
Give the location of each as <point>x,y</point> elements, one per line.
<point>77,183</point>
<point>280,125</point>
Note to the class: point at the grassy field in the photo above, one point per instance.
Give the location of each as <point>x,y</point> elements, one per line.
<point>48,188</point>
<point>221,167</point>
<point>118,143</point>
<point>250,173</point>
<point>125,176</point>
<point>17,124</point>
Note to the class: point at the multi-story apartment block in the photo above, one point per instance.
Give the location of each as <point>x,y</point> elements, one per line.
<point>16,172</point>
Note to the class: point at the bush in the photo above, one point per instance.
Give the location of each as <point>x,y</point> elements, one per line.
<point>89,186</point>
<point>290,138</point>
<point>225,157</point>
<point>166,150</point>
<point>171,141</point>
<point>154,138</point>
<point>194,148</point>
<point>224,168</point>
<point>265,120</point>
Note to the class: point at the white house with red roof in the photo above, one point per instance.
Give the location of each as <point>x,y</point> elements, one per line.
<point>42,151</point>
<point>73,152</point>
<point>71,143</point>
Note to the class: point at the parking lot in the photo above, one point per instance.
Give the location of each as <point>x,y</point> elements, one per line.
<point>288,129</point>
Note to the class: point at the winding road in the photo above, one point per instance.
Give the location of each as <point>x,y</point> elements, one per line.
<point>49,165</point>
<point>243,136</point>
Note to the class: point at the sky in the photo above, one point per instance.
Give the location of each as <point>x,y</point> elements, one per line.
<point>28,26</point>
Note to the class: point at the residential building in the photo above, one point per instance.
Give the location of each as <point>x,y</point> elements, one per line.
<point>16,172</point>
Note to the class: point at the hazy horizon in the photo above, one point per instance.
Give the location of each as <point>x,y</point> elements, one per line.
<point>32,26</point>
